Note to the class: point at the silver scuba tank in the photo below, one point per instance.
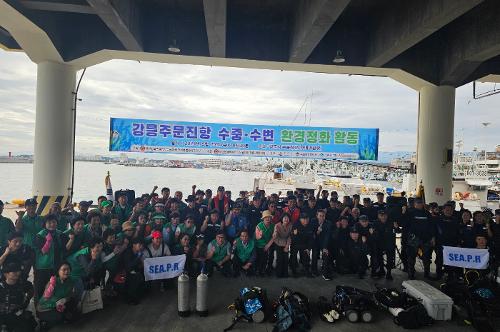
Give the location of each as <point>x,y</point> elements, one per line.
<point>202,295</point>
<point>183,308</point>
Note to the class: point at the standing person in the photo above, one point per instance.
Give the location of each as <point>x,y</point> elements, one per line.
<point>221,202</point>
<point>338,245</point>
<point>211,226</point>
<point>87,265</point>
<point>49,253</point>
<point>421,234</point>
<point>264,244</point>
<point>62,221</point>
<point>83,207</point>
<point>235,223</point>
<point>385,237</point>
<point>170,229</point>
<point>322,200</point>
<point>273,208</point>
<point>292,209</point>
<point>93,227</point>
<point>254,213</point>
<point>165,195</point>
<point>379,204</point>
<point>467,233</point>
<point>15,295</point>
<point>75,238</point>
<point>17,252</point>
<point>282,239</point>
<point>311,208</point>
<point>122,209</point>
<point>106,215</point>
<point>29,222</point>
<point>59,300</point>
<point>447,234</point>
<point>302,244</point>
<point>322,237</point>
<point>193,210</point>
<point>333,211</point>
<point>219,255</point>
<point>6,227</point>
<point>244,254</point>
<point>494,235</point>
<point>133,264</point>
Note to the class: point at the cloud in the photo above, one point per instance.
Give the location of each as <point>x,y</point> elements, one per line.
<point>231,95</point>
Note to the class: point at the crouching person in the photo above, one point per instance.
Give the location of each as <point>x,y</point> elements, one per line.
<point>219,255</point>
<point>15,295</point>
<point>59,301</point>
<point>133,264</point>
<point>357,252</point>
<point>244,255</point>
<point>86,265</point>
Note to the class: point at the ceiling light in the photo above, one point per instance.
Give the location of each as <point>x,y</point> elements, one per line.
<point>339,58</point>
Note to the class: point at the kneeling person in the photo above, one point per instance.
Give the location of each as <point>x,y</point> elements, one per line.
<point>244,254</point>
<point>219,255</point>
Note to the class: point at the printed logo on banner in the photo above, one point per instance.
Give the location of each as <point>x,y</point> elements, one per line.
<point>164,267</point>
<point>466,257</point>
<point>150,136</point>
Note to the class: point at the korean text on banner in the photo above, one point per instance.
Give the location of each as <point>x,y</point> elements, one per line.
<point>165,267</point>
<point>155,136</point>
<point>466,257</point>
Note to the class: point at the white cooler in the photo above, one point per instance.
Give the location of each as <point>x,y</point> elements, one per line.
<point>437,304</point>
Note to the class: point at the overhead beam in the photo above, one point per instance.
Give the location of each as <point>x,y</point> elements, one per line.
<point>216,24</point>
<point>471,41</point>
<point>57,7</point>
<point>409,22</point>
<point>121,17</point>
<point>313,19</point>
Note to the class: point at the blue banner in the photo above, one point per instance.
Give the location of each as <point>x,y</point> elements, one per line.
<point>155,136</point>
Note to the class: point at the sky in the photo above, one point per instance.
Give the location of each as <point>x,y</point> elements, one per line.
<point>132,89</point>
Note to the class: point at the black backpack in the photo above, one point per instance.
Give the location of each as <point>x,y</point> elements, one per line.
<point>413,317</point>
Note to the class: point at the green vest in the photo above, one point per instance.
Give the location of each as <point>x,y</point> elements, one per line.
<point>267,234</point>
<point>220,251</point>
<point>61,291</point>
<point>77,270</point>
<point>47,261</point>
<point>31,227</point>
<point>122,213</point>
<point>189,231</point>
<point>244,253</point>
<point>6,227</point>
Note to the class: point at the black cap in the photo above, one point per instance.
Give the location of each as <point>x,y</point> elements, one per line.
<point>220,188</point>
<point>363,218</point>
<point>30,202</point>
<point>380,193</point>
<point>292,197</point>
<point>381,212</point>
<point>86,203</point>
<point>448,204</point>
<point>190,198</point>
<point>433,205</point>
<point>304,216</point>
<point>221,233</point>
<point>354,229</point>
<point>200,236</point>
<point>214,211</point>
<point>137,240</point>
<point>11,267</point>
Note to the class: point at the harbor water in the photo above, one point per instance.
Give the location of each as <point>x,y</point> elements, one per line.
<point>16,179</point>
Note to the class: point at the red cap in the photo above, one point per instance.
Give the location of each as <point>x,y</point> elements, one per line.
<point>156,235</point>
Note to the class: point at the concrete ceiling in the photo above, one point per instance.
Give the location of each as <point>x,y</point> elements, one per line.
<point>417,42</point>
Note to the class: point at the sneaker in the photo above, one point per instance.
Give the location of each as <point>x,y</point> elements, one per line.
<point>327,278</point>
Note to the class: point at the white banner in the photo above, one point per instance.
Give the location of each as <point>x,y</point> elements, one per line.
<point>165,267</point>
<point>466,257</point>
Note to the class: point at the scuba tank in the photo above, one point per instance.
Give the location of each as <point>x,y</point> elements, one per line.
<point>202,295</point>
<point>183,295</point>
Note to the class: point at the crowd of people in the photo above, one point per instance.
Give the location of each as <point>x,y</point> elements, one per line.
<point>298,234</point>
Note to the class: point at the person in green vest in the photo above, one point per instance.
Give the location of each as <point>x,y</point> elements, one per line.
<point>188,227</point>
<point>49,252</point>
<point>62,221</point>
<point>122,209</point>
<point>264,244</point>
<point>29,222</point>
<point>6,227</point>
<point>75,238</point>
<point>219,255</point>
<point>106,207</point>
<point>59,300</point>
<point>87,264</point>
<point>244,254</point>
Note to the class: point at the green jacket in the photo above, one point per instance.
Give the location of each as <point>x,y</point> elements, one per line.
<point>220,251</point>
<point>50,259</point>
<point>61,291</point>
<point>122,213</point>
<point>78,270</point>
<point>6,227</point>
<point>31,227</point>
<point>267,234</point>
<point>245,253</point>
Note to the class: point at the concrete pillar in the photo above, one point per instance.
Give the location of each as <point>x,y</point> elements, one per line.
<point>435,142</point>
<point>54,132</point>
